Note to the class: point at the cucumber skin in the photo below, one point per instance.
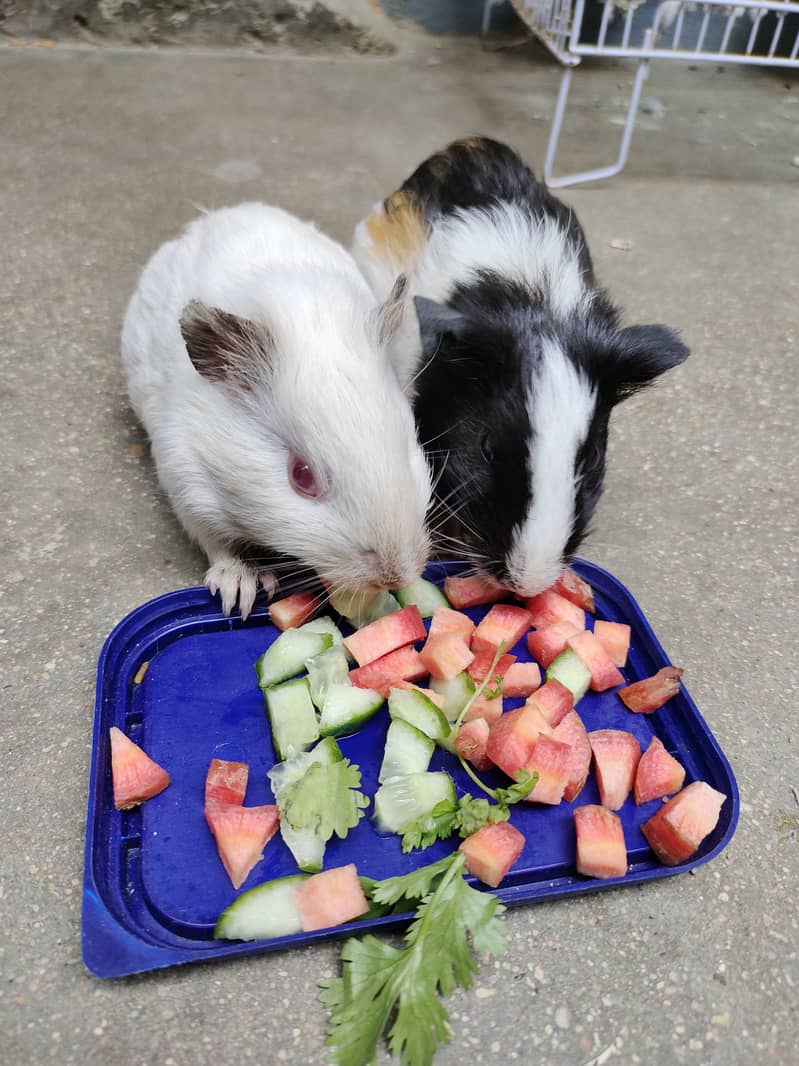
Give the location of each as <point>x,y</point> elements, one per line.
<point>561,669</point>
<point>394,739</point>
<point>352,724</point>
<point>415,708</point>
<point>236,912</point>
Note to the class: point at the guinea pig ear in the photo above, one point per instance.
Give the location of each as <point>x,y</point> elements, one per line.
<point>222,346</point>
<point>435,320</point>
<point>643,353</point>
<point>392,312</point>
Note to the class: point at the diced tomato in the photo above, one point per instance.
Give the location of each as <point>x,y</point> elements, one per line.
<point>571,731</point>
<point>554,701</point>
<point>503,623</point>
<point>403,664</point>
<point>463,592</point>
<point>551,760</point>
<point>226,782</point>
<point>604,672</point>
<point>572,587</point>
<point>659,774</point>
<point>471,741</point>
<point>330,898</point>
<point>491,851</point>
<point>546,644</point>
<point>650,694</point>
<point>616,755</point>
<point>614,638</point>
<point>386,634</point>
<point>512,737</point>
<point>521,679</point>
<point>675,832</point>
<point>550,607</point>
<point>445,620</point>
<point>293,610</point>
<point>136,777</point>
<point>434,697</point>
<point>481,664</point>
<point>446,655</point>
<point>601,851</point>
<point>241,835</point>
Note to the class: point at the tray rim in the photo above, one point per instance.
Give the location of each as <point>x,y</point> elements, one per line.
<point>113,947</point>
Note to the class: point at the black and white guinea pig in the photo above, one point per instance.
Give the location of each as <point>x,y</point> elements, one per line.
<point>514,359</point>
<point>255,355</point>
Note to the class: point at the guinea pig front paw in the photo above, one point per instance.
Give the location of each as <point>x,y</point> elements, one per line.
<point>235,581</point>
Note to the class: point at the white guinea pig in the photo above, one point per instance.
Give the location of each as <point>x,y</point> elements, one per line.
<point>255,359</point>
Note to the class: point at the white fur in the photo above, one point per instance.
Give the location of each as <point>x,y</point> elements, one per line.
<point>561,403</point>
<point>330,396</point>
<point>505,239</point>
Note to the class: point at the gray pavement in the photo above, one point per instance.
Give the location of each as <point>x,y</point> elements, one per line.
<point>104,155</point>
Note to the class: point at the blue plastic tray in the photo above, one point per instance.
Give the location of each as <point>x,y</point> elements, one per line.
<point>153,882</point>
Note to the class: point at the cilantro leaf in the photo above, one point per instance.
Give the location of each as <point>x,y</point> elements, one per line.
<point>492,693</point>
<point>438,824</point>
<point>324,799</point>
<point>413,885</point>
<point>525,783</point>
<point>383,986</point>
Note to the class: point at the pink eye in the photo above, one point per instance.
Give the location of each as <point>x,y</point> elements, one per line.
<point>302,477</point>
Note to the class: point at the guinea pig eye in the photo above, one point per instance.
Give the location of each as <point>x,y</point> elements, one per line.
<point>302,478</point>
<point>486,450</point>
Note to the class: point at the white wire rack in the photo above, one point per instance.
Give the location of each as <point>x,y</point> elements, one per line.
<point>750,32</point>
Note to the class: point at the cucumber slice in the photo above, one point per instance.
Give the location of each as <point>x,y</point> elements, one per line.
<point>456,693</point>
<point>306,847</point>
<point>571,671</point>
<point>286,773</point>
<point>424,594</point>
<point>414,707</point>
<point>404,799</point>
<point>361,608</point>
<point>325,624</point>
<point>263,912</point>
<point>407,751</point>
<point>327,751</point>
<point>291,716</point>
<point>286,656</point>
<point>347,708</point>
<point>326,670</point>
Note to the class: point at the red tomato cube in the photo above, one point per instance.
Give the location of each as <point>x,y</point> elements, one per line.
<point>226,782</point>
<point>551,760</point>
<point>330,898</point>
<point>550,607</point>
<point>521,679</point>
<point>241,835</point>
<point>601,851</point>
<point>675,832</point>
<point>481,664</point>
<point>471,741</point>
<point>546,644</point>
<point>554,701</point>
<point>512,737</point>
<point>445,620</point>
<point>491,851</point>
<point>404,664</point>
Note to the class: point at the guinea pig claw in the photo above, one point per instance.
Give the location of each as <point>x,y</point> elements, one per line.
<point>269,582</point>
<point>233,580</point>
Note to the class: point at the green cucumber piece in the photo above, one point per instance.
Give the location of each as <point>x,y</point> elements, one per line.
<point>327,751</point>
<point>361,608</point>
<point>292,717</point>
<point>326,670</point>
<point>571,671</point>
<point>424,594</point>
<point>325,624</point>
<point>286,773</point>
<point>414,707</point>
<point>263,912</point>
<point>346,708</point>
<point>456,693</point>
<point>407,751</point>
<point>306,847</point>
<point>404,799</point>
<point>286,656</point>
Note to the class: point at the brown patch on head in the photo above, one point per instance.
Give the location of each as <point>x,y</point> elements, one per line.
<point>222,346</point>
<point>398,230</point>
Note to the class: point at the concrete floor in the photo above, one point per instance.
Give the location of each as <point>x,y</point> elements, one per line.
<point>103,155</point>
